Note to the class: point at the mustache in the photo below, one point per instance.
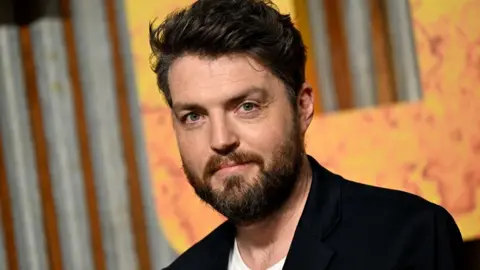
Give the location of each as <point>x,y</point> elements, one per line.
<point>217,162</point>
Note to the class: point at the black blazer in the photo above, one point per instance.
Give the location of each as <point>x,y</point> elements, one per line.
<point>347,225</point>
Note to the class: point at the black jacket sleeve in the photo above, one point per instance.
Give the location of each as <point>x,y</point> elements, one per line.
<point>435,242</point>
<point>448,242</point>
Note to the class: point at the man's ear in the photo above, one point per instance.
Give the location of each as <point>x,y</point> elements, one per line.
<point>305,104</point>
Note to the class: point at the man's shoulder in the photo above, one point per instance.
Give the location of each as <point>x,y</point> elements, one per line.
<point>352,190</point>
<point>200,252</point>
<point>390,220</point>
<point>367,201</point>
<point>389,205</point>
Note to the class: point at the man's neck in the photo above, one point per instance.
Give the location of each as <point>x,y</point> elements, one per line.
<point>264,243</point>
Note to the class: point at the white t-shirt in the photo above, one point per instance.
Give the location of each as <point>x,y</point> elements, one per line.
<point>236,262</point>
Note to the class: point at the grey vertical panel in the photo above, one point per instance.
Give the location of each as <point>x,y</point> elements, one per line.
<point>323,61</point>
<point>360,52</point>
<point>161,252</point>
<point>3,256</point>
<point>57,106</point>
<point>99,93</point>
<point>18,151</point>
<point>403,47</point>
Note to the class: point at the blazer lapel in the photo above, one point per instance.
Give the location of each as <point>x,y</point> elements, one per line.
<point>319,218</point>
<point>308,253</point>
<point>216,254</point>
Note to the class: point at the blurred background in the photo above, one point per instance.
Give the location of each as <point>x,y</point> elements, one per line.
<point>90,176</point>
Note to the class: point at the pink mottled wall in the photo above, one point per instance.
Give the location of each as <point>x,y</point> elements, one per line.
<point>431,148</point>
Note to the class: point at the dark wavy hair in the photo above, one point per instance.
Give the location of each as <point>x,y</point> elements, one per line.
<point>214,28</point>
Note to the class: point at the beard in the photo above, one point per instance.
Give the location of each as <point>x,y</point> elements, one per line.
<point>245,202</point>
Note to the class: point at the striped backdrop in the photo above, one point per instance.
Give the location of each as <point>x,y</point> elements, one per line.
<point>74,190</point>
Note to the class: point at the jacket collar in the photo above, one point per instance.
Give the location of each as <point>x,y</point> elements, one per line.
<point>321,215</point>
<point>319,218</point>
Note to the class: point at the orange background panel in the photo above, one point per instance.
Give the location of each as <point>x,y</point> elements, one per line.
<point>430,148</point>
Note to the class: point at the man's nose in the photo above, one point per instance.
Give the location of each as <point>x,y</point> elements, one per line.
<point>223,139</point>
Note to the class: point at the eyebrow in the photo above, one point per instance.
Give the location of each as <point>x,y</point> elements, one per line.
<point>182,106</point>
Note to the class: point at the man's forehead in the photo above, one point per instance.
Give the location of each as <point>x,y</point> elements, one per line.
<point>192,69</point>
<point>194,78</point>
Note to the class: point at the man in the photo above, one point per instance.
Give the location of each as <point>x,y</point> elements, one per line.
<point>233,74</point>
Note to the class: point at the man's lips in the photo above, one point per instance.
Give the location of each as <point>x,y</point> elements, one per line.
<point>227,167</point>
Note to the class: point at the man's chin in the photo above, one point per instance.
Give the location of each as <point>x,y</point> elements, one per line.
<point>231,199</point>
<point>247,175</point>
<point>239,210</point>
<point>231,186</point>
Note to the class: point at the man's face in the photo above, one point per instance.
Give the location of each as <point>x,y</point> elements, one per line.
<point>240,140</point>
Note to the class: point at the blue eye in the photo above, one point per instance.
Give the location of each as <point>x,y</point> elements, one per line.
<point>192,117</point>
<point>248,106</point>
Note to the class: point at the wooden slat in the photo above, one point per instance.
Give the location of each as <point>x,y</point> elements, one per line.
<point>91,199</point>
<point>338,46</point>
<point>138,216</point>
<point>405,63</point>
<point>36,122</point>
<point>382,53</point>
<point>7,216</point>
<point>303,24</point>
<point>3,252</point>
<point>97,77</point>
